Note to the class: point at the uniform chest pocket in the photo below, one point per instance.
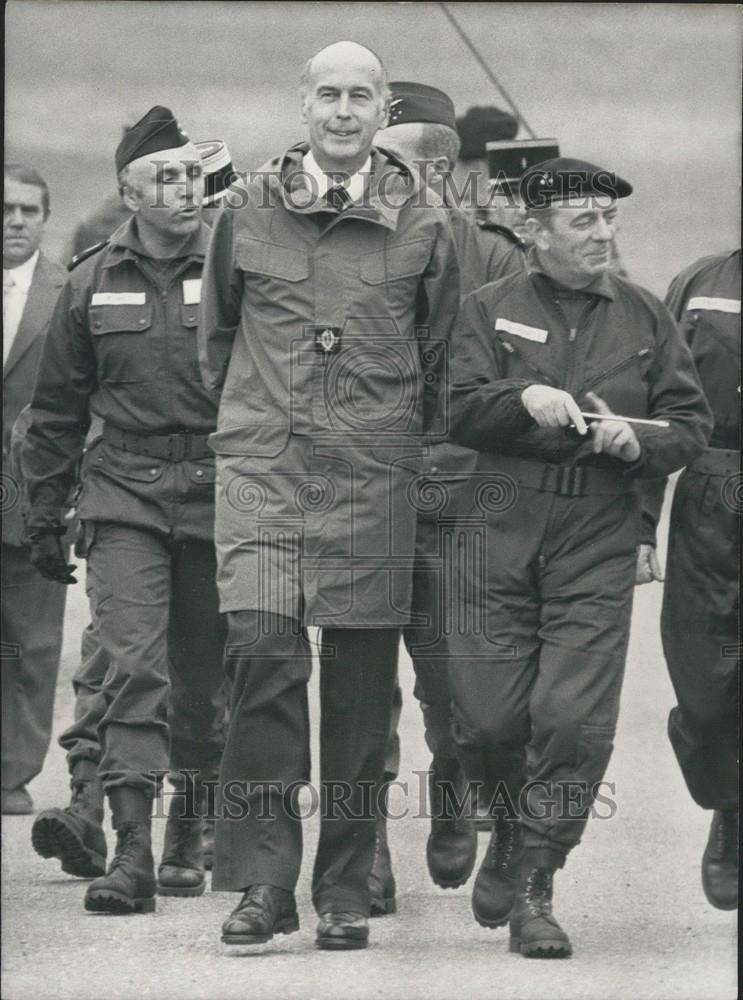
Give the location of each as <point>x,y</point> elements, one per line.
<point>271,260</point>
<point>406,260</point>
<point>123,354</point>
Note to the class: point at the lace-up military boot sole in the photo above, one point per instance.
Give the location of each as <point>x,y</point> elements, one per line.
<point>545,940</point>
<point>78,842</point>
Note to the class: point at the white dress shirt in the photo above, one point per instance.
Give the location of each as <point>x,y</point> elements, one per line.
<point>16,283</point>
<point>323,182</point>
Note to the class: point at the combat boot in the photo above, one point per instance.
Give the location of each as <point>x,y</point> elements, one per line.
<point>75,834</point>
<point>452,843</point>
<point>381,880</point>
<point>494,891</point>
<point>129,885</point>
<point>181,871</point>
<point>535,932</point>
<point>720,861</point>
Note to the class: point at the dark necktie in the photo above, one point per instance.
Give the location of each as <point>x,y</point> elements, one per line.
<point>338,197</point>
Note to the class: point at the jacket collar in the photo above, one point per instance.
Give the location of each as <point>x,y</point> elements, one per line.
<point>601,285</point>
<point>126,245</point>
<point>391,185</point>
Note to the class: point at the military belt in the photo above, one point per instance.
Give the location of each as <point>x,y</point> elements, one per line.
<point>717,462</point>
<point>562,480</point>
<point>170,447</point>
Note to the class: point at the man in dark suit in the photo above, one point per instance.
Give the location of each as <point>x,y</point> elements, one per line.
<point>32,607</point>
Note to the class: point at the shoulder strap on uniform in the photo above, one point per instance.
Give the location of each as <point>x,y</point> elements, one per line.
<point>496,227</point>
<point>84,254</point>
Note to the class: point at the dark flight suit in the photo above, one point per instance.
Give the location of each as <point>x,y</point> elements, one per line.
<point>122,343</point>
<point>699,621</point>
<point>536,674</point>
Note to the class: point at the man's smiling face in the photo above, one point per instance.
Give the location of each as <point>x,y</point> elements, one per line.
<point>343,106</point>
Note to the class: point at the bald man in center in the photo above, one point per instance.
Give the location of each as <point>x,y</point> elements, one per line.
<point>330,291</point>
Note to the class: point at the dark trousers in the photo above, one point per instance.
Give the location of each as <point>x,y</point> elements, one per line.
<point>154,601</point>
<point>80,740</point>
<point>32,622</point>
<point>537,674</point>
<point>699,627</point>
<point>266,757</point>
<point>425,638</point>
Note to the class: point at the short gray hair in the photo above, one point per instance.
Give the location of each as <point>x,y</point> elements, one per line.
<point>439,140</point>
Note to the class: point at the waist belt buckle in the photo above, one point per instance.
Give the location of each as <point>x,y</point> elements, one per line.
<point>180,447</point>
<point>571,481</point>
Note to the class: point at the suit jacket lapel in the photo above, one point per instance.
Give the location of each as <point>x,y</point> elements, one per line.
<point>42,296</point>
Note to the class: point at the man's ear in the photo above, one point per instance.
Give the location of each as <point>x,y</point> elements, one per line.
<point>303,110</point>
<point>440,166</point>
<point>385,114</point>
<point>128,198</point>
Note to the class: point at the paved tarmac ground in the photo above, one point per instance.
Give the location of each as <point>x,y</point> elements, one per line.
<point>630,896</point>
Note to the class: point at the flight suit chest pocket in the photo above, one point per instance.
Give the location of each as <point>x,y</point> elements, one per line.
<point>123,354</point>
<point>406,260</point>
<point>190,316</point>
<point>271,260</point>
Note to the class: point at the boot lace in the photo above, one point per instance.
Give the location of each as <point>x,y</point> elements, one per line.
<point>127,844</point>
<point>539,892</point>
<point>502,843</point>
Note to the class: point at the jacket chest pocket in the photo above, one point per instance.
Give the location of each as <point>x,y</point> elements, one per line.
<point>122,352</point>
<point>623,382</point>
<point>265,263</point>
<point>395,271</point>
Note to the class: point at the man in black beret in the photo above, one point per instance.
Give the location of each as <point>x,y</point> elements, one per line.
<point>122,345</point>
<point>536,689</point>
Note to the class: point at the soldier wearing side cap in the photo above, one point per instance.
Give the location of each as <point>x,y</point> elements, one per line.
<point>536,690</point>
<point>75,834</point>
<point>122,345</point>
<point>699,620</point>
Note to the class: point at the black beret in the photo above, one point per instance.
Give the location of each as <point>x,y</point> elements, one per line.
<point>562,177</point>
<point>157,130</point>
<point>481,125</point>
<point>417,102</point>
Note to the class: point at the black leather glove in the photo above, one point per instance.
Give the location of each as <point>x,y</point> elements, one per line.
<point>47,555</point>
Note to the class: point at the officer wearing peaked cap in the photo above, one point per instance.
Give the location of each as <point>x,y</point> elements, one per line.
<point>122,343</point>
<point>532,353</point>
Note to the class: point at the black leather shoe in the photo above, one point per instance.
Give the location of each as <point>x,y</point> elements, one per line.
<point>342,931</point>
<point>720,861</point>
<point>263,911</point>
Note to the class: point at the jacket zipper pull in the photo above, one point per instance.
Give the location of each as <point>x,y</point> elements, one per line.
<point>573,331</point>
